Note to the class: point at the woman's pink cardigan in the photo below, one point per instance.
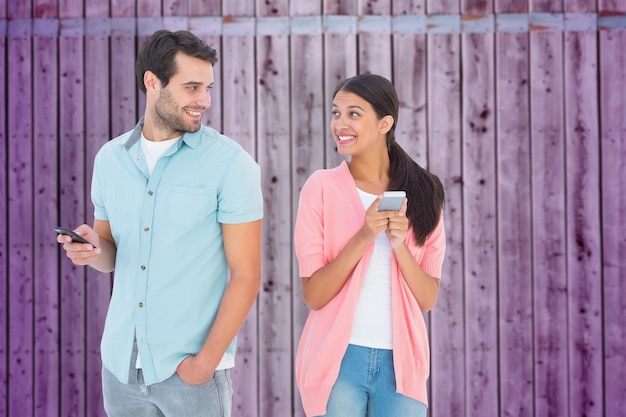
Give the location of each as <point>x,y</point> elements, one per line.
<point>330,212</point>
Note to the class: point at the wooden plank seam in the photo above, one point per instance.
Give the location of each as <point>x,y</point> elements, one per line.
<point>335,24</point>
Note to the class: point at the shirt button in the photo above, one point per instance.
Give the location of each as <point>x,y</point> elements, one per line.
<point>150,193</point>
<point>140,305</point>
<point>147,229</point>
<point>143,267</point>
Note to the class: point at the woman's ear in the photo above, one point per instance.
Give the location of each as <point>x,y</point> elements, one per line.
<point>386,123</point>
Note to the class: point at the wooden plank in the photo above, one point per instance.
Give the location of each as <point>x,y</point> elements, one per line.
<point>510,6</point>
<point>96,8</point>
<point>379,7</point>
<point>479,213</point>
<point>613,144</point>
<point>175,7</point>
<point>583,222</point>
<point>98,286</point>
<point>375,45</point>
<point>550,6</point>
<point>209,29</point>
<point>71,8</point>
<point>46,250</point>
<point>203,8</point>
<point>548,212</point>
<point>72,213</point>
<point>238,8</point>
<point>19,220</point>
<point>409,79</point>
<point>340,62</point>
<point>341,7</point>
<point>4,193</point>
<point>444,160</point>
<point>612,6</point>
<point>305,8</point>
<point>308,133</point>
<point>579,6</point>
<point>274,151</point>
<point>269,8</point>
<point>122,8</point>
<point>148,8</point>
<point>514,224</point>
<point>18,10</point>
<point>476,7</point>
<point>408,7</point>
<point>238,92</point>
<point>124,113</point>
<point>45,9</point>
<point>442,7</point>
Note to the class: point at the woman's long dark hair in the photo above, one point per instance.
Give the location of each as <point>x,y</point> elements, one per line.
<point>423,189</point>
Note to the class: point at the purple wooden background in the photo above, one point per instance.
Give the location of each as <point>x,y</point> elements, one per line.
<point>517,105</point>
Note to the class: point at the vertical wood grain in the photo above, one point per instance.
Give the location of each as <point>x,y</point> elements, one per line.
<point>239,102</point>
<point>308,136</point>
<point>612,86</point>
<point>199,8</point>
<point>19,9</point>
<point>98,285</point>
<point>514,252</point>
<point>238,8</point>
<point>274,150</point>
<point>548,212</point>
<point>175,7</point>
<point>479,210</point>
<point>476,7</point>
<point>148,8</point>
<point>611,6</point>
<point>554,6</point>
<point>340,62</point>
<point>409,79</point>
<point>583,223</point>
<point>374,42</point>
<point>96,8</point>
<point>510,6</point>
<point>19,219</point>
<point>122,8</point>
<point>579,6</point>
<point>45,9</point>
<point>124,90</point>
<point>408,7</point>
<point>4,194</point>
<point>442,6</point>
<point>374,7</point>
<point>72,213</point>
<point>341,7</point>
<point>269,8</point>
<point>46,250</point>
<point>447,320</point>
<point>71,8</point>
<point>305,8</point>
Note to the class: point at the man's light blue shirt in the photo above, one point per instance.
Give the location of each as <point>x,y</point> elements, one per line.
<point>170,269</point>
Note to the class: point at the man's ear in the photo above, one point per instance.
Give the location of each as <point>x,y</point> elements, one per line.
<point>150,80</point>
<point>386,123</point>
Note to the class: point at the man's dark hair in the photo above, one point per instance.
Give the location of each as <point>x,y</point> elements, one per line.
<point>158,53</point>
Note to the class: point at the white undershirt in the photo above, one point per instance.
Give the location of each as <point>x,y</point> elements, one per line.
<point>152,151</point>
<point>372,318</point>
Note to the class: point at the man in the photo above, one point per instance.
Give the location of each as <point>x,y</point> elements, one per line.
<point>178,211</point>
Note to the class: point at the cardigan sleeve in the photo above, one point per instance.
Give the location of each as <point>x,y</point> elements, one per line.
<point>309,228</point>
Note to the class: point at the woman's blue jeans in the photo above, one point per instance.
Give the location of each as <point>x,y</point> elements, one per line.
<point>366,386</point>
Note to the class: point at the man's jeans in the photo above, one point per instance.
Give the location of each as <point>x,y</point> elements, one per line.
<point>170,398</point>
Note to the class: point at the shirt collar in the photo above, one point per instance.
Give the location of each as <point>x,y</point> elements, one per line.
<point>190,139</point>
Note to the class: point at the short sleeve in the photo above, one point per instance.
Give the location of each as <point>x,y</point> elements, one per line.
<point>240,199</point>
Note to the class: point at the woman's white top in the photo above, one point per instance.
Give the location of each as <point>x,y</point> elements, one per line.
<point>372,318</point>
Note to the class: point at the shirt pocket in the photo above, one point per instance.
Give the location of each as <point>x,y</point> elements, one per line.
<point>189,207</point>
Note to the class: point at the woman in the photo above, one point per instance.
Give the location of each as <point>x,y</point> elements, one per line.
<point>367,275</point>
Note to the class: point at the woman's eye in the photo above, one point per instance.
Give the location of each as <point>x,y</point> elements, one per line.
<point>354,114</point>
